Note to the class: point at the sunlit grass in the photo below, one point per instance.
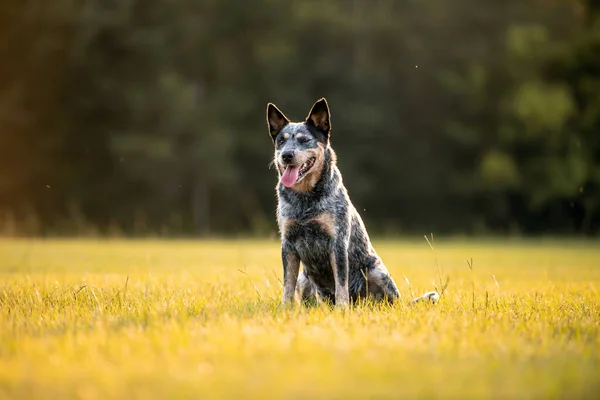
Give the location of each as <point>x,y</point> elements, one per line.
<point>174,319</point>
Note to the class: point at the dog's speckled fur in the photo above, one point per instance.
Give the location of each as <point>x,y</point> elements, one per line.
<point>319,226</point>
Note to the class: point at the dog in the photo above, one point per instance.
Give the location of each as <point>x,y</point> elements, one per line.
<point>318,224</point>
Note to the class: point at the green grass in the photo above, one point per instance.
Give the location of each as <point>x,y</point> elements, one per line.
<point>174,319</point>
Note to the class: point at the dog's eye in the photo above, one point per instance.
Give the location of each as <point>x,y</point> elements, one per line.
<point>303,139</point>
<point>280,141</point>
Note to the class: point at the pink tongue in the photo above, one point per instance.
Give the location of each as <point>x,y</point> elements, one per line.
<point>290,176</point>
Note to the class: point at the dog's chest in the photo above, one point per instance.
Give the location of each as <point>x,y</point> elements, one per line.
<point>312,237</point>
<point>315,248</point>
<point>309,235</point>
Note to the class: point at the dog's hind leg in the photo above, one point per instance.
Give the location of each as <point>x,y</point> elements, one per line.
<point>381,286</point>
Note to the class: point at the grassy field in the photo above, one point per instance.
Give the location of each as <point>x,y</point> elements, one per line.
<point>174,319</point>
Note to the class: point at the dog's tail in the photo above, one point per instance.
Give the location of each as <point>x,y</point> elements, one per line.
<point>432,297</point>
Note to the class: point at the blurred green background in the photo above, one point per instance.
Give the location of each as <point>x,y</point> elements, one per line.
<point>145,117</point>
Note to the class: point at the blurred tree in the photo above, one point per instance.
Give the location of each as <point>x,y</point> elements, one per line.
<point>447,117</point>
<point>33,125</point>
<point>575,66</point>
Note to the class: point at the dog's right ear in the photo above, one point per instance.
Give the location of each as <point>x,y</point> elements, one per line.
<point>320,118</point>
<point>276,120</point>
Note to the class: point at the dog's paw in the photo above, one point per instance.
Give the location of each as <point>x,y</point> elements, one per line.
<point>287,305</point>
<point>342,304</point>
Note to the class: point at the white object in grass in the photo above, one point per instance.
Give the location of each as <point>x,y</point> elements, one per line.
<point>432,296</point>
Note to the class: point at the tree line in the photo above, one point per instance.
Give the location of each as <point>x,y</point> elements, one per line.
<point>470,116</point>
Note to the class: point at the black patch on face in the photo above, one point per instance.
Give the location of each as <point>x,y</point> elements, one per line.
<point>296,141</point>
<point>317,134</point>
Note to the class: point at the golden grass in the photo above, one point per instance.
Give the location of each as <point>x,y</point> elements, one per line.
<point>175,319</point>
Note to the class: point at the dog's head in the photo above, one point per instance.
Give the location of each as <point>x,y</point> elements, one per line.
<point>300,146</point>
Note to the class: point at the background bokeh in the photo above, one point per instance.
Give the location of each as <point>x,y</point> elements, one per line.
<point>146,117</point>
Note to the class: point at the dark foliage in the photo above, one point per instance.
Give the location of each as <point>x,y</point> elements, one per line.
<point>467,116</point>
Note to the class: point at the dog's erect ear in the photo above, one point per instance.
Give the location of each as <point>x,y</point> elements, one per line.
<point>275,119</point>
<point>319,117</point>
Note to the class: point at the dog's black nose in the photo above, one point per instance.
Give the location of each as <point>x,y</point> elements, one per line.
<point>287,156</point>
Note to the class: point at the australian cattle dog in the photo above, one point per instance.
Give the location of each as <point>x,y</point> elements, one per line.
<point>319,226</point>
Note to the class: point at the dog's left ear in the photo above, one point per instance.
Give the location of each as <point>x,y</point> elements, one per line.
<point>320,118</point>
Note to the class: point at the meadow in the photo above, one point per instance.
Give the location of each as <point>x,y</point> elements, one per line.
<point>154,319</point>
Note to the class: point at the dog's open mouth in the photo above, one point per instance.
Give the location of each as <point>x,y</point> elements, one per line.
<point>293,173</point>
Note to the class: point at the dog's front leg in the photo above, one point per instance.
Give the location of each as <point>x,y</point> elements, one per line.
<point>291,268</point>
<point>339,263</point>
